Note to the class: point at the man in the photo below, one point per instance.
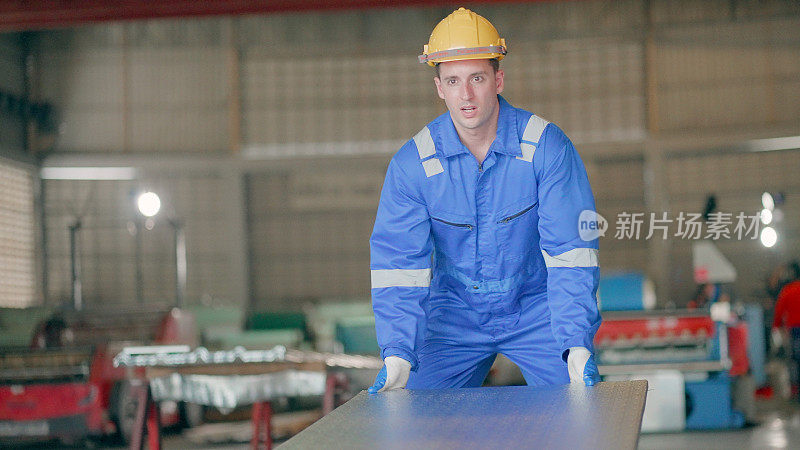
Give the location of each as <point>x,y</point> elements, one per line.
<point>476,248</point>
<point>787,317</point>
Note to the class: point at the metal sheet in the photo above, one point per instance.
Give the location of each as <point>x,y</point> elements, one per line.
<point>607,415</point>
<point>176,356</point>
<point>232,390</point>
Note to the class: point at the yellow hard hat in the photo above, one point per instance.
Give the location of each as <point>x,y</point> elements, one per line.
<point>463,35</point>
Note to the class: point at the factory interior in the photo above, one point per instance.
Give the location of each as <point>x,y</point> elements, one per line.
<point>188,192</point>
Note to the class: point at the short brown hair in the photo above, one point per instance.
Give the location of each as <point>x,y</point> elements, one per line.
<point>494,62</point>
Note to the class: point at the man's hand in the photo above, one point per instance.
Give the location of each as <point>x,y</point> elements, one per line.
<point>582,368</point>
<point>393,375</point>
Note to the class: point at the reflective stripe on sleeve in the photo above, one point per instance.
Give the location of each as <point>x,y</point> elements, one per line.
<point>401,278</point>
<point>532,134</point>
<point>425,146</point>
<point>577,257</point>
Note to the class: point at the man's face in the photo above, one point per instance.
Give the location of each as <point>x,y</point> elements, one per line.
<point>469,89</point>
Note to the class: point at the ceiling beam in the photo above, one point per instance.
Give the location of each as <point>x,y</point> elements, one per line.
<point>18,15</point>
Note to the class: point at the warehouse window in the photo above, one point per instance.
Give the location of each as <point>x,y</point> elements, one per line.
<point>17,247</point>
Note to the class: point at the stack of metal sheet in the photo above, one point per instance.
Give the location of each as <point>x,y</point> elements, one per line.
<point>607,415</point>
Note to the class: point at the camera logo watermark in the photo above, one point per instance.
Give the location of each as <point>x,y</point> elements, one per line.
<point>638,225</point>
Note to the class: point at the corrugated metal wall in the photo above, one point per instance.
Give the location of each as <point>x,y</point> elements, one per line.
<point>727,75</point>
<point>17,239</point>
<point>310,231</point>
<point>18,265</point>
<point>345,83</point>
<point>12,136</point>
<point>138,87</point>
<point>108,238</point>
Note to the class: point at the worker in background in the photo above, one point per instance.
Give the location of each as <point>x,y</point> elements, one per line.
<point>707,294</point>
<point>786,319</point>
<point>780,277</point>
<point>476,248</point>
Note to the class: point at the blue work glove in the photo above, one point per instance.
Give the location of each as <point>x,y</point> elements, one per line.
<point>393,375</point>
<point>582,368</point>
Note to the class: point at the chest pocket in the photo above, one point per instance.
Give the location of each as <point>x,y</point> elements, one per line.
<point>517,228</point>
<point>453,235</point>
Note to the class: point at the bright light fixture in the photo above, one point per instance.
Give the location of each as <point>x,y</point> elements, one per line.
<point>88,173</point>
<point>768,237</point>
<point>766,216</point>
<point>149,204</point>
<point>773,144</point>
<point>767,201</point>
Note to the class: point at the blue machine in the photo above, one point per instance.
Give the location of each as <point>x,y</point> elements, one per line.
<point>756,342</point>
<point>643,343</point>
<point>709,405</point>
<point>625,291</point>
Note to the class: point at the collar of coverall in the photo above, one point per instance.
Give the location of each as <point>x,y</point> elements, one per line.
<point>506,142</point>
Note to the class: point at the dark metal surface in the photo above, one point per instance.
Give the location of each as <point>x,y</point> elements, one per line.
<point>605,416</point>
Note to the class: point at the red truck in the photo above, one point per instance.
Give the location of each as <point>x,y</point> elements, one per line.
<point>65,386</point>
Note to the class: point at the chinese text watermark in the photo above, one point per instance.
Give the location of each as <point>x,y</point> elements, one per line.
<point>685,226</point>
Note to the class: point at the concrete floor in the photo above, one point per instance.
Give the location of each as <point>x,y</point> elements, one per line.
<point>778,428</point>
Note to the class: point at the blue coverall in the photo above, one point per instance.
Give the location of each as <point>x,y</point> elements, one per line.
<point>469,260</point>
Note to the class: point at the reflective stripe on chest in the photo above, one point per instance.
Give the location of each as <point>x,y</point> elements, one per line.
<point>432,166</point>
<point>426,149</point>
<point>531,137</point>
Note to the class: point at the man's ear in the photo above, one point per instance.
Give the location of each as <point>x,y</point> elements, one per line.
<point>499,79</point>
<point>438,84</point>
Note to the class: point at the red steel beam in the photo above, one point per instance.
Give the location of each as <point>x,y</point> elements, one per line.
<point>17,15</point>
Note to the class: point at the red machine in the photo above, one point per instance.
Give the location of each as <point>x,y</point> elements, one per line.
<point>665,339</point>
<point>66,387</point>
<point>657,339</point>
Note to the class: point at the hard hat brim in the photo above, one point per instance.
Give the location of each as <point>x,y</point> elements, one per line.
<point>460,54</point>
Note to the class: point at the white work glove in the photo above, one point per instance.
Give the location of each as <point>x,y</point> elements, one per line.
<point>777,338</point>
<point>393,375</point>
<point>581,366</point>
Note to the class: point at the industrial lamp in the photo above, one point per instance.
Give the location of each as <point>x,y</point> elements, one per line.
<point>149,204</point>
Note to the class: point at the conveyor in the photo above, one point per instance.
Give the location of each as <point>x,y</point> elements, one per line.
<point>231,378</point>
<point>607,415</point>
